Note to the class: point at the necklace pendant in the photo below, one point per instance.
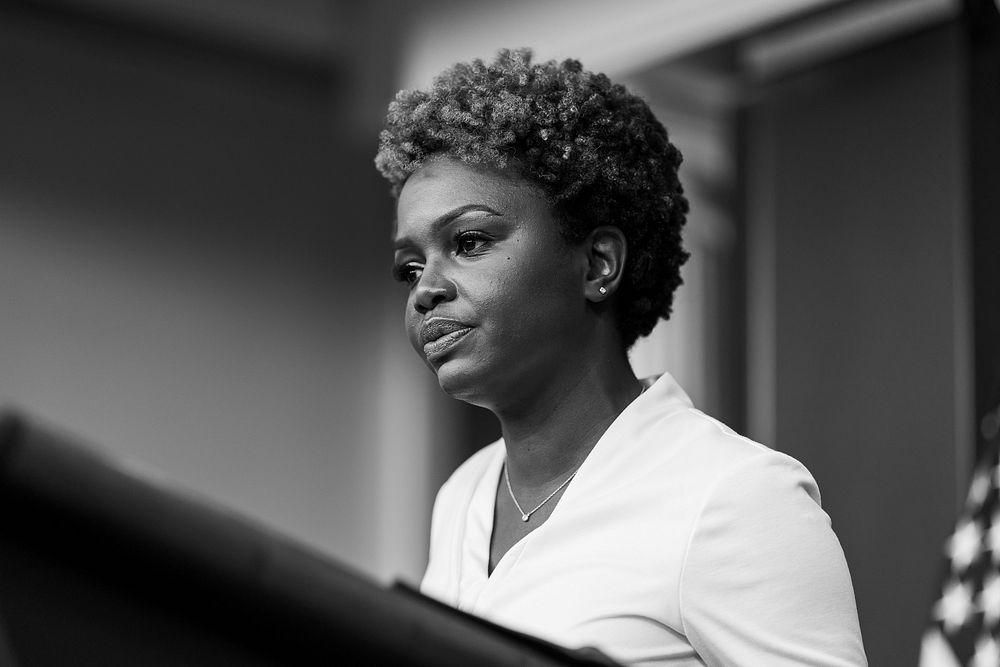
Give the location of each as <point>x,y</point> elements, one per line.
<point>524,517</point>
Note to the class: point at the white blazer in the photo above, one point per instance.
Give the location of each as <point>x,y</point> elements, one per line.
<point>679,542</point>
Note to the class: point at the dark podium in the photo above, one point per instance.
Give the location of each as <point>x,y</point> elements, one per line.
<point>104,566</point>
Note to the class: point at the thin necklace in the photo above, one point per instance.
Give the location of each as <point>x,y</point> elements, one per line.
<point>527,515</point>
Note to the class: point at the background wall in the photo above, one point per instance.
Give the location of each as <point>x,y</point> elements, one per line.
<point>862,333</point>
<point>190,268</point>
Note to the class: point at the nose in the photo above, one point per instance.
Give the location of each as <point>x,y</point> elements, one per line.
<point>434,288</point>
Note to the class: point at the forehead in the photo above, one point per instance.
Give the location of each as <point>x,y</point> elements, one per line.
<point>443,185</point>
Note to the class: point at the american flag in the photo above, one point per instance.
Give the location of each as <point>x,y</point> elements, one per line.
<point>965,620</point>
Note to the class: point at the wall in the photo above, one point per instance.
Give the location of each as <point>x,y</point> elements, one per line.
<point>192,266</point>
<point>859,310</point>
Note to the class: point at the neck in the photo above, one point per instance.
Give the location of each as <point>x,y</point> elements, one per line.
<point>551,430</point>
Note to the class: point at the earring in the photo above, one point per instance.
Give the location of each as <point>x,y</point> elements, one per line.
<point>603,289</point>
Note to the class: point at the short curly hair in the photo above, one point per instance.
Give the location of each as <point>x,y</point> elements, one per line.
<point>596,150</point>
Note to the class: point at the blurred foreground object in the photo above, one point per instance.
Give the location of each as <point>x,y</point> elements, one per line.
<point>104,564</point>
<point>965,620</point>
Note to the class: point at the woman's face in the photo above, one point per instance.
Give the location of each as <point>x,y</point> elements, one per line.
<point>496,298</point>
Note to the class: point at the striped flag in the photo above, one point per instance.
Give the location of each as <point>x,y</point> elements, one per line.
<point>965,620</point>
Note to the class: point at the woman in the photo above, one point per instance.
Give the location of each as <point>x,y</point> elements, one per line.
<point>538,231</point>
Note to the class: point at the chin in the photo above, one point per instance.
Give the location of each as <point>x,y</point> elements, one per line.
<point>461,381</point>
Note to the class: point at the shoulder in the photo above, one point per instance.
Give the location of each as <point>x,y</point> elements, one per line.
<point>664,418</point>
<point>734,487</point>
<point>691,461</point>
<point>759,529</point>
<point>734,464</point>
<point>750,492</point>
<point>710,457</point>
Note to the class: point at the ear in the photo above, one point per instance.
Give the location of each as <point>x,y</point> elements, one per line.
<point>606,254</point>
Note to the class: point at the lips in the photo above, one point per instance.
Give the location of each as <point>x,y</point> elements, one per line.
<point>438,334</point>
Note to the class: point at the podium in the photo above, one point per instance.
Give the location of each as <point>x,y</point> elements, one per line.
<point>104,565</point>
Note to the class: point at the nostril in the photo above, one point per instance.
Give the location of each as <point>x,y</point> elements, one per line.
<point>430,296</point>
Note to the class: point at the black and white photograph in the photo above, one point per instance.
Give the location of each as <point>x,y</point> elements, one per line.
<point>454,333</point>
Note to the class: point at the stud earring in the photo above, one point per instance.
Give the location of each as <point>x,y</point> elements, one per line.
<point>603,289</point>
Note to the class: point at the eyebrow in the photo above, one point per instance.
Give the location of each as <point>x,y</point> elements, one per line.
<point>446,219</point>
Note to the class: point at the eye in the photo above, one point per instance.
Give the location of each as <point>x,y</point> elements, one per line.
<point>469,243</point>
<point>407,273</point>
